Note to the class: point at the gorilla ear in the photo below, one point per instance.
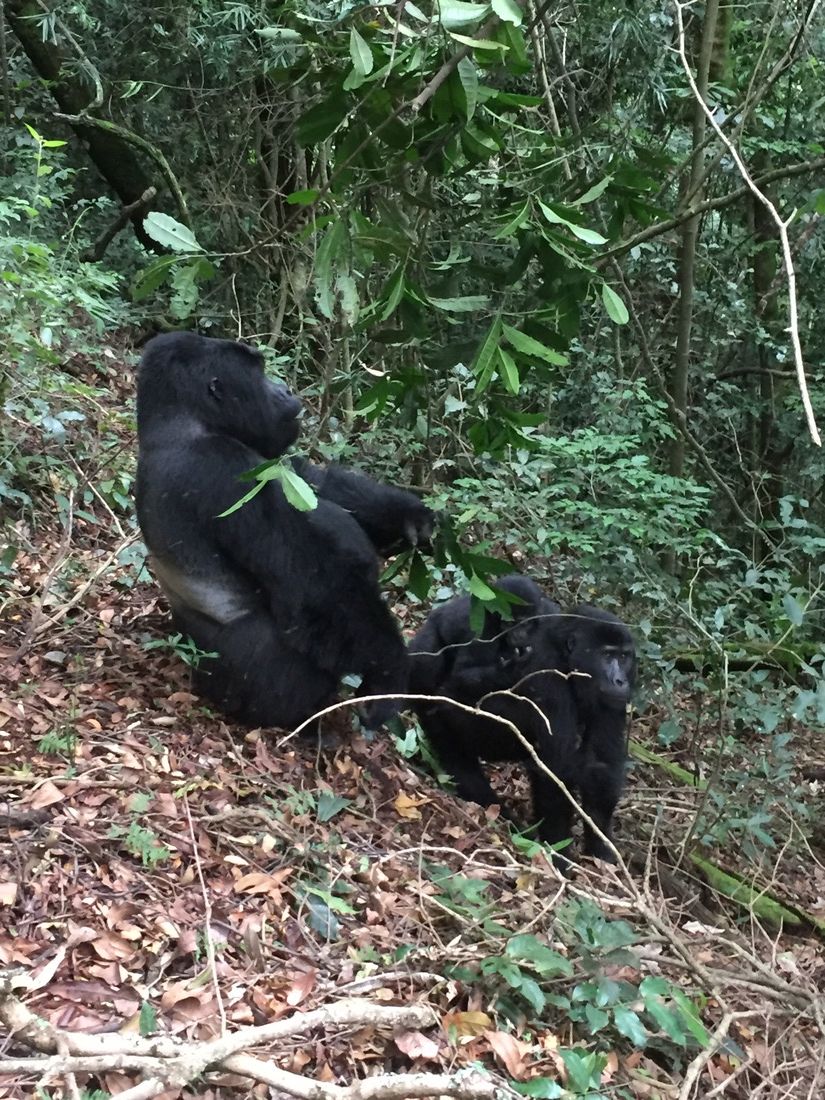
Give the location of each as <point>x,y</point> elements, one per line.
<point>216,389</point>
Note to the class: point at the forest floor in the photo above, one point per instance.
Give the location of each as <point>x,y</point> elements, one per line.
<point>164,872</point>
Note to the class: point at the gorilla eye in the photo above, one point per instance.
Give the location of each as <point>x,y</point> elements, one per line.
<point>215,389</point>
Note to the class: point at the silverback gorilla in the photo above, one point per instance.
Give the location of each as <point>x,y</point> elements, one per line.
<point>287,600</point>
<point>566,681</point>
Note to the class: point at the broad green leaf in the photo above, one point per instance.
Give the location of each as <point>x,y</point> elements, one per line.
<point>147,1019</point>
<point>584,1070</point>
<point>528,346</point>
<point>303,198</point>
<point>542,1087</point>
<point>665,1019</point>
<point>170,233</point>
<point>479,588</point>
<point>455,13</point>
<point>594,192</point>
<point>361,54</point>
<point>629,1024</point>
<point>468,75</point>
<point>596,1018</point>
<point>484,362</point>
<point>330,804</point>
<point>323,119</point>
<point>589,236</point>
<point>691,1018</point>
<point>297,491</point>
<point>525,947</point>
<point>614,306</point>
<point>508,11</point>
<point>508,371</point>
<point>154,276</point>
<point>478,43</point>
<point>795,613</point>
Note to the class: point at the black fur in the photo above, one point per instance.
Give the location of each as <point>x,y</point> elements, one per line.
<point>573,676</point>
<point>288,600</point>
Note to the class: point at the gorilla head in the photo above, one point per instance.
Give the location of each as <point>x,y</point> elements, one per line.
<point>222,385</point>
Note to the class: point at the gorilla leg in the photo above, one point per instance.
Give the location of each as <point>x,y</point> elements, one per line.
<point>446,735</point>
<point>257,679</point>
<point>601,788</point>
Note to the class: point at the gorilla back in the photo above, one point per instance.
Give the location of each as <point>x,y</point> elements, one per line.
<point>284,602</point>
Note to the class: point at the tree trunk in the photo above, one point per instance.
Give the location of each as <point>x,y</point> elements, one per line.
<point>115,160</point>
<point>693,192</point>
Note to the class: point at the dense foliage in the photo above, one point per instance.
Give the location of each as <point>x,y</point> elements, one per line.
<point>505,256</point>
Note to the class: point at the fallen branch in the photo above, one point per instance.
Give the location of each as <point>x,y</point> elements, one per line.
<point>166,1062</point>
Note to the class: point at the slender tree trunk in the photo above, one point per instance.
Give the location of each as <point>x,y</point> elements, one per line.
<point>115,159</point>
<point>687,251</point>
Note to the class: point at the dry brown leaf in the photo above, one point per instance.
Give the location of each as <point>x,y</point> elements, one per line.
<point>415,1044</point>
<point>44,795</point>
<point>466,1024</point>
<point>301,987</point>
<point>510,1051</point>
<point>8,893</point>
<point>407,807</point>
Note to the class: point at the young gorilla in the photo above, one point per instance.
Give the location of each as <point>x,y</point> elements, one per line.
<point>289,601</point>
<point>446,641</point>
<point>575,675</point>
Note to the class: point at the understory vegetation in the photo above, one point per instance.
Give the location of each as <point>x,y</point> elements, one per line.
<point>559,268</point>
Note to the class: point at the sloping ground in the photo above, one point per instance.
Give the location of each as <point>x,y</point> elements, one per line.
<point>162,871</point>
<point>167,879</point>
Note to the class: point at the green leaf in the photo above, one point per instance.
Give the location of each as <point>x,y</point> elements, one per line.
<point>285,35</point>
<point>323,119</point>
<point>419,580</point>
<point>508,11</point>
<point>589,236</point>
<point>532,992</point>
<point>468,304</point>
<point>297,491</point>
<point>478,43</point>
<point>303,198</point>
<point>594,192</point>
<point>614,306</point>
<point>508,371</point>
<point>393,293</point>
<point>691,1018</point>
<point>153,277</point>
<point>584,1070</point>
<point>629,1025</point>
<point>484,362</point>
<point>147,1019</point>
<point>479,588</point>
<point>329,251</point>
<point>520,219</point>
<point>170,233</point>
<point>361,54</point>
<point>253,492</point>
<point>455,13</point>
<point>542,1087</point>
<point>792,609</point>
<point>596,1018</point>
<point>665,1019</point>
<point>526,948</point>
<point>468,75</point>
<point>528,346</point>
<point>330,804</point>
